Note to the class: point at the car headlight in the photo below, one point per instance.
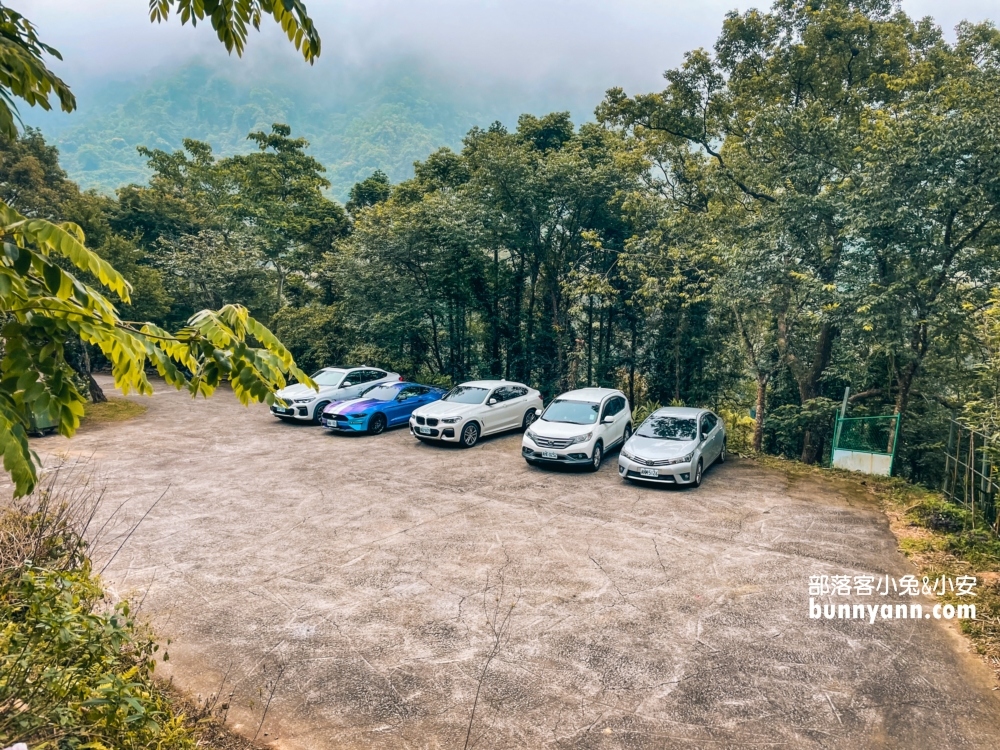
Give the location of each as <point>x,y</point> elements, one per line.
<point>626,454</point>
<point>303,400</point>
<point>362,415</point>
<point>581,438</point>
<point>530,435</point>
<point>681,460</point>
<point>451,420</point>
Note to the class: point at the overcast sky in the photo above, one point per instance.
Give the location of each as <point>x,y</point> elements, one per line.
<point>583,45</point>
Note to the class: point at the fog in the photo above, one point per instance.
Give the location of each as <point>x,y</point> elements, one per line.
<point>577,48</point>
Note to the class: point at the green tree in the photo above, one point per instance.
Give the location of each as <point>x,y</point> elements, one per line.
<point>45,306</point>
<point>279,198</point>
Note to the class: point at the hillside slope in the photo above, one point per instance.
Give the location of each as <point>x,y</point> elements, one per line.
<point>383,121</point>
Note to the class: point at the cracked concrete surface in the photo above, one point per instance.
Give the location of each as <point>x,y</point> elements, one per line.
<point>372,586</point>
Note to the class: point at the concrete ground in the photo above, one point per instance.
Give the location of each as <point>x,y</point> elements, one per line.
<point>373,592</point>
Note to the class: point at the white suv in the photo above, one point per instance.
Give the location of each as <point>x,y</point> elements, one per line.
<point>304,404</point>
<point>579,427</point>
<point>479,407</point>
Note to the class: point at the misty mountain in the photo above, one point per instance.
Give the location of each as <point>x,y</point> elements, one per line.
<point>355,124</point>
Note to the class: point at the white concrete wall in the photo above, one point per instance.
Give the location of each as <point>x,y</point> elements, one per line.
<point>867,463</point>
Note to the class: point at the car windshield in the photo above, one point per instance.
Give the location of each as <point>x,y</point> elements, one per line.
<point>669,428</point>
<point>328,377</point>
<point>571,412</point>
<point>381,393</point>
<point>464,394</point>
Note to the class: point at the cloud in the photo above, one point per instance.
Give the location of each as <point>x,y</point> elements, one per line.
<point>583,46</point>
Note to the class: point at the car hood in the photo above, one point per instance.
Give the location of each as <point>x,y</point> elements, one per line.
<point>561,429</point>
<point>447,409</point>
<point>298,390</point>
<point>337,406</point>
<point>656,449</point>
<point>354,406</point>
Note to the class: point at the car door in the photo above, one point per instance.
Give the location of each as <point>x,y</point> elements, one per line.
<point>705,433</point>
<point>717,435</point>
<point>611,433</point>
<point>352,385</point>
<point>515,405</point>
<point>493,416</point>
<point>398,410</point>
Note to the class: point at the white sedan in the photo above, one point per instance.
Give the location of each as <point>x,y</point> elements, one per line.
<point>480,407</point>
<point>674,445</point>
<point>304,404</point>
<point>579,428</point>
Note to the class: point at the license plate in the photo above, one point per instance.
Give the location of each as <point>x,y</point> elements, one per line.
<point>279,410</point>
<point>424,430</point>
<point>550,454</point>
<point>649,472</point>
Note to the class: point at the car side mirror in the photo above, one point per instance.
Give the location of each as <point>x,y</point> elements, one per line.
<point>491,402</point>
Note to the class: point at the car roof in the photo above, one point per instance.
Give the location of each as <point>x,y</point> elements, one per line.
<point>678,411</point>
<point>490,383</point>
<point>589,394</point>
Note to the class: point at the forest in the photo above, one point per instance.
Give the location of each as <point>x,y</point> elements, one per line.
<point>811,205</point>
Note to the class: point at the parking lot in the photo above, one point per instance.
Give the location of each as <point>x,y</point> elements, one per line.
<point>373,592</point>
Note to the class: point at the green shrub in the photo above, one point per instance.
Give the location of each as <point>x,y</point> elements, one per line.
<point>643,410</point>
<point>739,430</point>
<point>940,515</point>
<point>74,674</point>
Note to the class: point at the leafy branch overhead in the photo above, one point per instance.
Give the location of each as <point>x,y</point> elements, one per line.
<point>48,307</point>
<point>23,74</point>
<point>231,20</point>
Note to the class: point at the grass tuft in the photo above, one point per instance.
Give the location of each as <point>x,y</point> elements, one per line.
<point>112,410</point>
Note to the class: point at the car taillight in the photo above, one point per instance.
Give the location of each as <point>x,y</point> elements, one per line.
<point>400,378</point>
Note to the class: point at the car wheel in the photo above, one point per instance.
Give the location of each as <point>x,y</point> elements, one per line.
<point>697,474</point>
<point>597,457</point>
<point>627,434</point>
<point>318,413</point>
<point>470,435</point>
<point>722,453</point>
<point>376,424</point>
<point>529,416</point>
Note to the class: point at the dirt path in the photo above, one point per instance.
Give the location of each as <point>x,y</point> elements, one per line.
<point>374,579</point>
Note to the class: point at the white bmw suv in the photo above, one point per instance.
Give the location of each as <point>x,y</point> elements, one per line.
<point>476,408</point>
<point>674,445</point>
<point>579,428</point>
<point>304,404</point>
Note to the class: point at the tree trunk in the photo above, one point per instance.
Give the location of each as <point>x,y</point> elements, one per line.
<point>96,392</point>
<point>758,417</point>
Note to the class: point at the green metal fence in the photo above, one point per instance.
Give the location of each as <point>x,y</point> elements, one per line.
<point>869,434</point>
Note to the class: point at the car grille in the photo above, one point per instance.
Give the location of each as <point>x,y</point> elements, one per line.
<point>543,442</point>
<point>650,462</point>
<point>421,420</point>
<point>431,422</point>
<point>338,417</point>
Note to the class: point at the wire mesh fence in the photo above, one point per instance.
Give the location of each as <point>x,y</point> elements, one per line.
<point>970,473</point>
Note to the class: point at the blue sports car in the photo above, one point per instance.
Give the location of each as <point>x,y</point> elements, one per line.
<point>381,406</point>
